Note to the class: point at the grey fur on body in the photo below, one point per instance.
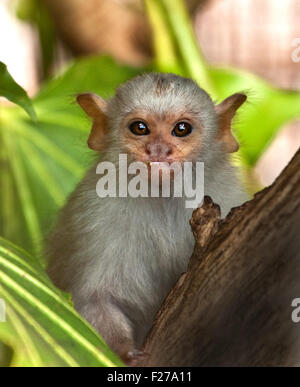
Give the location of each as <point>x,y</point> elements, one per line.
<point>119,257</point>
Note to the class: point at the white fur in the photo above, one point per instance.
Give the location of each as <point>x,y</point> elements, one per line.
<point>119,257</point>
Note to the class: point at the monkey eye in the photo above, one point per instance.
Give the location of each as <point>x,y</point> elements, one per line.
<point>182,129</point>
<point>139,128</point>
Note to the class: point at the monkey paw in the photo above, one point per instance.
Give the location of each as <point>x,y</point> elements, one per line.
<point>135,357</point>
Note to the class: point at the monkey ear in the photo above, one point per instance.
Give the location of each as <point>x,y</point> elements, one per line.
<point>226,111</point>
<point>95,107</point>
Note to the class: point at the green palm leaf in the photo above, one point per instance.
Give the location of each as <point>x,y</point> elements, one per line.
<point>42,326</point>
<point>13,92</point>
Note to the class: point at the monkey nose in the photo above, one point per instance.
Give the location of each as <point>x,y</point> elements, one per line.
<point>158,151</point>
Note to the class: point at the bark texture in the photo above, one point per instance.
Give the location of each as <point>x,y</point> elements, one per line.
<point>233,306</point>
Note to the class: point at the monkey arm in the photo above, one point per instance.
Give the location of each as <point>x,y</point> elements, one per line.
<point>114,326</point>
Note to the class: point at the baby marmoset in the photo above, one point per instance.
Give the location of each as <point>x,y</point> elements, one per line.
<point>119,257</point>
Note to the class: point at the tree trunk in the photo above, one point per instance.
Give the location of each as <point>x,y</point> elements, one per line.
<point>233,306</point>
<point>116,27</point>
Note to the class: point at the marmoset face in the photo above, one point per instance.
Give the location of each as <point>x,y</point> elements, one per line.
<point>161,138</point>
<point>161,118</point>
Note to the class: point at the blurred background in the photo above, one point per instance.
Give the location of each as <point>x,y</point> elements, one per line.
<point>55,49</point>
<point>39,37</point>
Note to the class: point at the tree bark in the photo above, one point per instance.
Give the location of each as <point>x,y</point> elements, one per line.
<point>233,306</point>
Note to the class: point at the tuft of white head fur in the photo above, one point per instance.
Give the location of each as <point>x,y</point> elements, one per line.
<point>119,257</point>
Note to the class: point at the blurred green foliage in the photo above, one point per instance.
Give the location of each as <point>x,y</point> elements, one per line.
<point>36,13</point>
<point>43,159</point>
<point>14,93</point>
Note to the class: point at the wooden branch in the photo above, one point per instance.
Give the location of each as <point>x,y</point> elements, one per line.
<point>118,28</point>
<point>233,306</point>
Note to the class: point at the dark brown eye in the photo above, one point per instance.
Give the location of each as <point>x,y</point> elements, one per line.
<point>182,129</point>
<point>139,128</point>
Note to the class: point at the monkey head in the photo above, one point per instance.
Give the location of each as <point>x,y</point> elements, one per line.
<point>161,118</point>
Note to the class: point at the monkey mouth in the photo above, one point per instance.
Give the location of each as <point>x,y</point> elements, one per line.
<point>160,168</point>
<point>159,163</point>
<point>163,165</point>
<point>162,162</point>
